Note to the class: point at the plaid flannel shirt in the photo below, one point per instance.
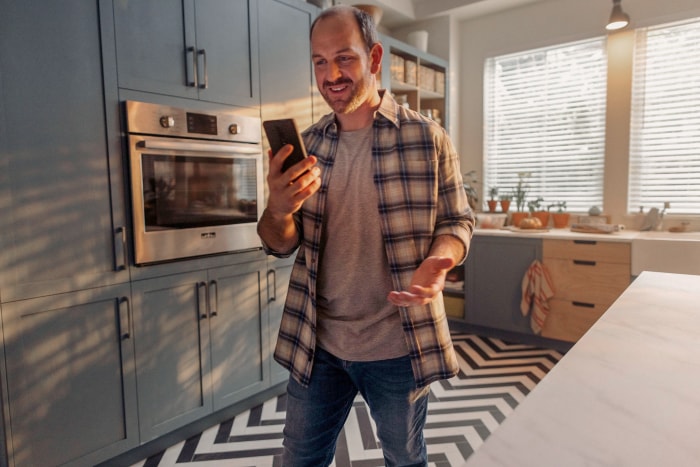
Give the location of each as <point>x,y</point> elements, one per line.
<point>421,196</point>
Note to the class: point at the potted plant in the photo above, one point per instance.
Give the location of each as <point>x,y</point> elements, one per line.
<point>560,218</point>
<point>469,184</point>
<point>505,200</point>
<point>536,210</point>
<point>519,196</point>
<point>492,202</point>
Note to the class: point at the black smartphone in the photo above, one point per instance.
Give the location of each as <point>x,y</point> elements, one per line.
<point>281,132</point>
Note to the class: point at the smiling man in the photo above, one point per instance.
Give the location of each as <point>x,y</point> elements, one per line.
<point>379,215</point>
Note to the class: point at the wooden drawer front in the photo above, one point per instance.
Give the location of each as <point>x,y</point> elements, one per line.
<point>587,250</point>
<point>588,281</point>
<point>568,322</point>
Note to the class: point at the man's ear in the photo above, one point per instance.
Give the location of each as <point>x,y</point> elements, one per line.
<point>375,56</point>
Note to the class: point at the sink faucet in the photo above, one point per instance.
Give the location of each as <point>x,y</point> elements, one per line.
<point>660,218</point>
<point>654,218</point>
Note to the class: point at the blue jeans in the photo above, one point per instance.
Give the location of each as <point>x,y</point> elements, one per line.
<point>316,414</point>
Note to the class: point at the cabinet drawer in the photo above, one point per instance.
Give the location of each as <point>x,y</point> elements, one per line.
<point>587,250</point>
<point>568,321</point>
<point>588,281</point>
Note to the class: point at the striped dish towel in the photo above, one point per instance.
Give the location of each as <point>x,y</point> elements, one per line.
<point>537,289</point>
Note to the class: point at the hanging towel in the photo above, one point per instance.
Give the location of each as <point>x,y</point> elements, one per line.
<point>537,289</point>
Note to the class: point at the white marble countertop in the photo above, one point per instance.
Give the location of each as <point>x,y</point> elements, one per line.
<point>627,394</point>
<point>651,251</point>
<point>560,234</point>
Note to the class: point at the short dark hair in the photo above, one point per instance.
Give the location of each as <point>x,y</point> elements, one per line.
<point>368,30</point>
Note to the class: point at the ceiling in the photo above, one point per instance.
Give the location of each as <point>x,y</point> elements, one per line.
<point>398,13</point>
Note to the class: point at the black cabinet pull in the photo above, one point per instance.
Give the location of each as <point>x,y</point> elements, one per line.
<point>583,304</point>
<point>586,242</point>
<point>203,53</point>
<point>272,297</point>
<point>202,310</point>
<point>194,83</point>
<point>121,233</point>
<point>125,329</point>
<point>581,262</point>
<point>212,309</point>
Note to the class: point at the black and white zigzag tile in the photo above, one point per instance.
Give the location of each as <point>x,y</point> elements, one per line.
<point>494,378</point>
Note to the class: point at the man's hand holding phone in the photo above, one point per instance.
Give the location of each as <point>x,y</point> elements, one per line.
<point>293,176</point>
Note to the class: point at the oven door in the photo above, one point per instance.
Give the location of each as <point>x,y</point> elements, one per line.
<point>193,198</point>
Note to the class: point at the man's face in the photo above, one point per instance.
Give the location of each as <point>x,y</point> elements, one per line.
<point>342,63</point>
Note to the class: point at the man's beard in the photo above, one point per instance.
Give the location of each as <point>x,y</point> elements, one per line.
<point>358,92</point>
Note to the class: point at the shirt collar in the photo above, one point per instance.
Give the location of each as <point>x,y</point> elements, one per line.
<point>388,109</point>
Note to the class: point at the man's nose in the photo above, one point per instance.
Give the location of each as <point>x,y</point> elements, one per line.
<point>334,72</point>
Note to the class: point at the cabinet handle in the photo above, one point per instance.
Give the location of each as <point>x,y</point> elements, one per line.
<point>581,262</point>
<point>203,53</point>
<point>271,298</point>
<point>583,304</point>
<point>189,83</point>
<point>586,242</point>
<point>202,310</point>
<point>215,286</point>
<point>125,331</point>
<point>121,231</point>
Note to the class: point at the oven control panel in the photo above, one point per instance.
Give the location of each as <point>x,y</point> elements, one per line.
<point>162,120</point>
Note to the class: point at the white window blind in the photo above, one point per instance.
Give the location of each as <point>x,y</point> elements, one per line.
<point>665,122</point>
<point>545,115</point>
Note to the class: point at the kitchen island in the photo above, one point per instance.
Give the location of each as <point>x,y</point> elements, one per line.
<point>627,394</point>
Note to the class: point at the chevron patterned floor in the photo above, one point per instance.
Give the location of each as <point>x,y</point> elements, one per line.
<point>495,377</point>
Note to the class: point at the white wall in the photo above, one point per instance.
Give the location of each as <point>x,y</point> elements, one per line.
<point>553,22</point>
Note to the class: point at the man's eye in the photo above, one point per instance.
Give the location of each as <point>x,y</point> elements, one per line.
<point>320,62</point>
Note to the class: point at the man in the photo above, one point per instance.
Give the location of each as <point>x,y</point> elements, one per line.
<point>379,215</point>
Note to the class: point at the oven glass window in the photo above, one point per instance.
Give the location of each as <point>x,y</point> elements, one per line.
<point>183,192</point>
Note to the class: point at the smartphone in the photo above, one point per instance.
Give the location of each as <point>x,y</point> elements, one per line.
<point>281,132</point>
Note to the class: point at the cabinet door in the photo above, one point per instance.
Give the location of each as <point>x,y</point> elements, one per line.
<point>286,79</point>
<point>153,39</point>
<point>226,51</point>
<point>279,274</point>
<point>198,49</point>
<point>71,389</point>
<point>236,326</point>
<point>495,269</point>
<point>171,332</point>
<point>60,226</point>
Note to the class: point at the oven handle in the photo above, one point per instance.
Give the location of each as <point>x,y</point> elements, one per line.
<point>202,147</point>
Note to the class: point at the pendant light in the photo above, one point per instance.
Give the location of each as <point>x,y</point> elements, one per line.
<point>618,18</point>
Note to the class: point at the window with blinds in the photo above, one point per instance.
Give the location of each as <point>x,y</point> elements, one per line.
<point>665,122</point>
<point>545,115</point>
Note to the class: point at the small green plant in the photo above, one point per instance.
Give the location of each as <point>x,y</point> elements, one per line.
<point>506,197</point>
<point>560,205</point>
<point>535,204</point>
<point>493,193</point>
<point>521,191</point>
<point>470,182</point>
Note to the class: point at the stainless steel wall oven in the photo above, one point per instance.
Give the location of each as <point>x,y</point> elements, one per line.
<point>196,181</point>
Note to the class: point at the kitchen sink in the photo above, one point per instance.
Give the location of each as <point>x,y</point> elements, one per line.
<point>666,252</point>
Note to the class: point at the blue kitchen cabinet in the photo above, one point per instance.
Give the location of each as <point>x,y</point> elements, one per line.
<point>199,344</point>
<point>62,213</point>
<point>287,84</point>
<point>278,274</point>
<point>197,49</point>
<point>69,384</point>
<point>285,56</point>
<point>494,272</point>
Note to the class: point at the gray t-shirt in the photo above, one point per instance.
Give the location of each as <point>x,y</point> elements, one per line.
<point>355,321</point>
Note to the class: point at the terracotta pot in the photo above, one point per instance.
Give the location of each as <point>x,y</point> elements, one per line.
<point>543,216</point>
<point>492,205</point>
<point>516,217</point>
<point>560,219</point>
<point>505,205</point>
